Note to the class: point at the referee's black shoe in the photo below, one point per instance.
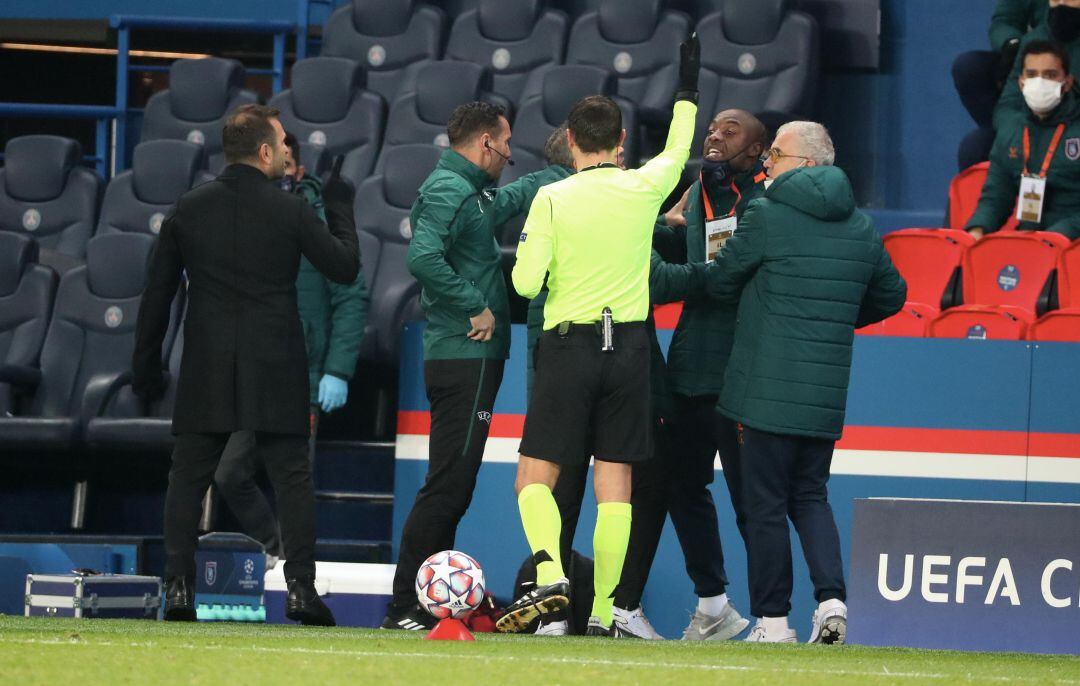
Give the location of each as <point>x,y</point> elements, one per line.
<point>539,602</point>
<point>304,605</point>
<point>597,628</point>
<point>409,618</point>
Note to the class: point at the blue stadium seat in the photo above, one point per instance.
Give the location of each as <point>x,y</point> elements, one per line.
<point>518,40</point>
<point>383,203</point>
<point>639,42</point>
<point>200,95</point>
<point>91,337</point>
<point>420,114</point>
<point>46,195</point>
<point>119,421</point>
<point>389,38</point>
<point>328,106</point>
<point>26,298</point>
<point>137,200</point>
<point>314,158</point>
<point>758,55</point>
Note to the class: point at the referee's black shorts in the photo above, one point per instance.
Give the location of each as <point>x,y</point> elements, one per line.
<point>589,402</point>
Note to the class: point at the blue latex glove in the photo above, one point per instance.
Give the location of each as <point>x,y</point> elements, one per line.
<point>333,392</point>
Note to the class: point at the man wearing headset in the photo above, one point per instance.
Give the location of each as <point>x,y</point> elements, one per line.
<point>454,256</point>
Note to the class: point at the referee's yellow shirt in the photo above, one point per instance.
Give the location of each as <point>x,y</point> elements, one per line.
<point>591,234</point>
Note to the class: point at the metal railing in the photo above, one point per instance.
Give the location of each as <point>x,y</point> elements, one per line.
<point>124,24</point>
<point>110,150</point>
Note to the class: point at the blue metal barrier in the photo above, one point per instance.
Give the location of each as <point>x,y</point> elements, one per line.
<point>102,114</point>
<point>124,24</point>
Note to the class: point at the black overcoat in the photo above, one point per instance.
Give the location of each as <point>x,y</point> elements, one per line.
<point>239,239</point>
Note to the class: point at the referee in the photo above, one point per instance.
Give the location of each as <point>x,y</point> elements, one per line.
<point>591,236</point>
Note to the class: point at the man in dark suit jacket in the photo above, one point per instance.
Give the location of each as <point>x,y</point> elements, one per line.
<point>239,239</point>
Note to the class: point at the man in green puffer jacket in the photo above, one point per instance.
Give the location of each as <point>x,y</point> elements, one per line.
<point>806,270</point>
<point>1051,124</point>
<point>333,317</point>
<point>455,257</point>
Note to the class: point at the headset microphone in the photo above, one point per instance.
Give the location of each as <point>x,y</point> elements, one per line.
<point>509,161</point>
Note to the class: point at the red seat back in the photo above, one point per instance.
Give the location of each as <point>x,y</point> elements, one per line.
<point>927,258</point>
<point>982,322</point>
<point>1059,325</point>
<point>964,191</point>
<point>912,321</point>
<point>1069,276</point>
<point>1011,268</point>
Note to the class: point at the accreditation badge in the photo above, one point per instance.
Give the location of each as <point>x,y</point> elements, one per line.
<point>1029,205</point>
<point>717,232</point>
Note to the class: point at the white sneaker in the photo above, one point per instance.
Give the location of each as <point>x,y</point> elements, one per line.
<point>558,627</point>
<point>829,624</point>
<point>728,624</point>
<point>759,635</point>
<point>634,624</point>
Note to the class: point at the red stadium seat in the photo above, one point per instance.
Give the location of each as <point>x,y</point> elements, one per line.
<point>927,259</point>
<point>982,322</point>
<point>1059,325</point>
<point>912,322</point>
<point>1011,268</point>
<point>964,192</point>
<point>1069,276</point>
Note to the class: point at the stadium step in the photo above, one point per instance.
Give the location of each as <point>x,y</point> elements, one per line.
<point>342,550</point>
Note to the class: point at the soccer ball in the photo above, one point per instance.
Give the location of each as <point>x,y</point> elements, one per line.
<point>449,584</point>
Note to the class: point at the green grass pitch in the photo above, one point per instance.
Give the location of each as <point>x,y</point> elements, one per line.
<point>108,652</point>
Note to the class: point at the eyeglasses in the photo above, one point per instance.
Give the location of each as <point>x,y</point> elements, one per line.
<point>775,154</point>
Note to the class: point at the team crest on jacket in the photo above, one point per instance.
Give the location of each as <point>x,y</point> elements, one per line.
<point>484,416</point>
<point>1072,149</point>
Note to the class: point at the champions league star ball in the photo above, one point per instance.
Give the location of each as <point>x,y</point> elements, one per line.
<point>449,584</point>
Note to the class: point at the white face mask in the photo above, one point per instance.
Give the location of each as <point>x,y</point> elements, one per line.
<point>1042,95</point>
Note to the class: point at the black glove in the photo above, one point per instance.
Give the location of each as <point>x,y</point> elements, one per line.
<point>337,190</point>
<point>689,66</point>
<point>1006,59</point>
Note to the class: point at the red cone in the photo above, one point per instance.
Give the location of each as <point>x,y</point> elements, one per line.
<point>449,630</point>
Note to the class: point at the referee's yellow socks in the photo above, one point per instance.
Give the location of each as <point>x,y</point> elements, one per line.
<point>543,525</point>
<point>610,539</point>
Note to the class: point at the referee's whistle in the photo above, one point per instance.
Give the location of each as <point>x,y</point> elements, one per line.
<point>607,324</point>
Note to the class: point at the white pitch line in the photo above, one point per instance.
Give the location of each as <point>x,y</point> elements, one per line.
<point>543,659</point>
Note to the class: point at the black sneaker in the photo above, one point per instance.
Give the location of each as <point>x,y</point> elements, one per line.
<point>597,628</point>
<point>410,618</point>
<point>540,601</point>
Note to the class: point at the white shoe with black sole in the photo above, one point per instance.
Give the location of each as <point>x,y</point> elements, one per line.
<point>829,624</point>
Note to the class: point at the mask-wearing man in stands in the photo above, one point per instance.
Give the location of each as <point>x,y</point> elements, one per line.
<point>1051,127</point>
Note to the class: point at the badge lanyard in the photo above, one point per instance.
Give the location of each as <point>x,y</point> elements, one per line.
<point>709,214</point>
<point>1027,150</point>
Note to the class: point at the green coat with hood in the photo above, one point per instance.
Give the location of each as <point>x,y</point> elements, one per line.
<point>456,259</point>
<point>1061,206</point>
<point>806,269</point>
<point>333,315</point>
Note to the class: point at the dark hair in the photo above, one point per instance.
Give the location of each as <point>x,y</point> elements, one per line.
<point>596,123</point>
<point>557,149</point>
<point>1046,47</point>
<point>294,147</point>
<point>246,129</point>
<point>473,119</point>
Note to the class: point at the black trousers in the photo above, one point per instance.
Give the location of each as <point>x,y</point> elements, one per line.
<point>461,394</point>
<point>786,477</point>
<point>235,479</point>
<point>698,433</point>
<point>194,460</point>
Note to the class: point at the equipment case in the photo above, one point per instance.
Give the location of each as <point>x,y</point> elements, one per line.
<point>98,595</point>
